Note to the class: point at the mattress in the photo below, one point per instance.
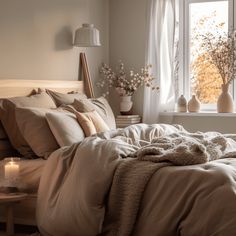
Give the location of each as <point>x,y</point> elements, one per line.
<point>29,176</point>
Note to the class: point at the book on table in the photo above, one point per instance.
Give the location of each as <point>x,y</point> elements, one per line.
<point>128,122</point>
<point>127,116</point>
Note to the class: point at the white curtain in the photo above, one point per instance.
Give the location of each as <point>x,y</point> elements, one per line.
<point>161,53</point>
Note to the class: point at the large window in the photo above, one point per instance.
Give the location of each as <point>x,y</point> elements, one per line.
<point>200,17</point>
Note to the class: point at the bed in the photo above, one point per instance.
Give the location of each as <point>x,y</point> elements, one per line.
<point>30,169</point>
<point>141,180</point>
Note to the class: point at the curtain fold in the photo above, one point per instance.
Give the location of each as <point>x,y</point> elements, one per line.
<point>160,52</point>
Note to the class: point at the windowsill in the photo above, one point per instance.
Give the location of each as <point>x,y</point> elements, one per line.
<point>199,114</point>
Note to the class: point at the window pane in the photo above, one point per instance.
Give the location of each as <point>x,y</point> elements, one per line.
<point>205,17</point>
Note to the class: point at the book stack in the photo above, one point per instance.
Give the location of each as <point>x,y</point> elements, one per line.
<point>126,120</point>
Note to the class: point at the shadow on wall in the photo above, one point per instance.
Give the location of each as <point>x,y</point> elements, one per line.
<point>64,39</point>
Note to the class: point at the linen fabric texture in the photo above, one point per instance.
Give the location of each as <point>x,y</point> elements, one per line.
<point>65,99</point>
<point>91,122</point>
<point>65,128</point>
<point>34,128</point>
<point>100,105</point>
<point>9,120</point>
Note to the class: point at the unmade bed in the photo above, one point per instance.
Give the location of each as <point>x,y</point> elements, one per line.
<point>89,178</point>
<point>142,180</point>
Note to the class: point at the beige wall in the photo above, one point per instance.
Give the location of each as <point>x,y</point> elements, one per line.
<point>220,123</point>
<point>127,41</point>
<point>36,37</point>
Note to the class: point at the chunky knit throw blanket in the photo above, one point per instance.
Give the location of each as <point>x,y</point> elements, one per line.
<point>133,174</point>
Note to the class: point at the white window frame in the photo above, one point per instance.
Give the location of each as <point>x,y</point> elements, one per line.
<point>184,57</point>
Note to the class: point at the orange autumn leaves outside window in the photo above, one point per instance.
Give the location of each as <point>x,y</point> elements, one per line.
<point>205,76</point>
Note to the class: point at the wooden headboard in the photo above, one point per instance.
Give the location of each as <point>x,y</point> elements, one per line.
<point>14,88</point>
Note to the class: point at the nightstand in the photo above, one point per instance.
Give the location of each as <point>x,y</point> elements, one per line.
<point>9,200</point>
<point>123,121</point>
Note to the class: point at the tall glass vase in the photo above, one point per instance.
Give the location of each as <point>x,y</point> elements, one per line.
<point>225,103</point>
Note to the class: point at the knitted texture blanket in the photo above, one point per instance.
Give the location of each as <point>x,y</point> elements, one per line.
<point>133,174</point>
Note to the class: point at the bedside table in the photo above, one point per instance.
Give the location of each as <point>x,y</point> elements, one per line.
<point>9,200</point>
<point>123,121</point>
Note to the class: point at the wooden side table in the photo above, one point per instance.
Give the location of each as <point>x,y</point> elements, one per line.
<point>9,200</point>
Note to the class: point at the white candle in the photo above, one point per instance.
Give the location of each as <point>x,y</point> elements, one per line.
<point>11,170</point>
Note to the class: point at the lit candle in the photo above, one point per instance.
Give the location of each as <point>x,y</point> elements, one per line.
<point>11,170</point>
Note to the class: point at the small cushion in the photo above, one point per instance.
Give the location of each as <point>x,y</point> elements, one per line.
<point>65,99</point>
<point>91,122</point>
<point>35,129</point>
<point>8,118</point>
<point>100,105</point>
<point>65,128</point>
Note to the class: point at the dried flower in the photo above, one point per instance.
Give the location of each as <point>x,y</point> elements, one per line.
<point>126,85</point>
<point>220,51</point>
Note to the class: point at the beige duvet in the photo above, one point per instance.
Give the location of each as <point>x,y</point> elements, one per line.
<point>106,185</point>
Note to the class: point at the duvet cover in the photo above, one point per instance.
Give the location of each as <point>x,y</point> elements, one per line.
<point>142,180</point>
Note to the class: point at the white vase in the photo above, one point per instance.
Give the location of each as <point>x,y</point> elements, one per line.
<point>225,103</point>
<point>182,104</point>
<point>126,105</point>
<point>194,104</point>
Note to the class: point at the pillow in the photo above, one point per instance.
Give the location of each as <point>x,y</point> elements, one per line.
<point>3,134</point>
<point>6,150</point>
<point>35,129</point>
<point>100,105</point>
<point>65,128</point>
<point>91,122</point>
<point>8,118</point>
<point>65,99</point>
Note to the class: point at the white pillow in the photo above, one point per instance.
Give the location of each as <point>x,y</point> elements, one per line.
<point>65,128</point>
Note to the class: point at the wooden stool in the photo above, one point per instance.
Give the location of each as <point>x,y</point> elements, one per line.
<point>9,200</point>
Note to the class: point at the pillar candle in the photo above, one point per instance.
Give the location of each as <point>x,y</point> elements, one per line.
<point>11,170</point>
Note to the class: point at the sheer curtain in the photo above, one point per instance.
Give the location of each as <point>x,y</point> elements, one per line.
<point>161,53</point>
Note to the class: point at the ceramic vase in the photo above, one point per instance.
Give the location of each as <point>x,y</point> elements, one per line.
<point>126,105</point>
<point>225,103</point>
<point>182,104</point>
<point>194,104</point>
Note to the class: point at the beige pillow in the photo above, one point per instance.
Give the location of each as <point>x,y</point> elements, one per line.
<point>3,134</point>
<point>65,99</point>
<point>6,150</point>
<point>91,122</point>
<point>65,128</point>
<point>100,105</point>
<point>8,118</point>
<point>36,131</point>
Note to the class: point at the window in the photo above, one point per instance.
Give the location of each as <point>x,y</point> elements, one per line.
<point>200,17</point>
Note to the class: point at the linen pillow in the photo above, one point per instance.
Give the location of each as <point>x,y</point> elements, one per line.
<point>8,118</point>
<point>100,105</point>
<point>65,128</point>
<point>6,150</point>
<point>3,134</point>
<point>65,99</point>
<point>34,127</point>
<point>91,122</point>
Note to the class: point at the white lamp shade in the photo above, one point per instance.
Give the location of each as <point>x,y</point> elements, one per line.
<point>87,36</point>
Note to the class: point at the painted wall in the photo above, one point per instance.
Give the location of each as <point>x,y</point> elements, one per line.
<point>224,123</point>
<point>36,38</point>
<point>127,41</point>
